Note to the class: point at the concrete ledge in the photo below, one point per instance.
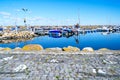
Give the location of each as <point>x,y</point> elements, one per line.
<point>60,52</point>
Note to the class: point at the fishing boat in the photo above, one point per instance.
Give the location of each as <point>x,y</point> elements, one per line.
<point>105,29</point>
<point>67,32</point>
<point>55,33</point>
<point>39,31</point>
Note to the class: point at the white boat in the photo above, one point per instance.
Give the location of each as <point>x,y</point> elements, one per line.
<point>105,28</point>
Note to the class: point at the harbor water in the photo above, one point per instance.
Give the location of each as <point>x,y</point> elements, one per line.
<point>95,40</point>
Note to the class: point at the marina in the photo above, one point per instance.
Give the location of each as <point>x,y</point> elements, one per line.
<point>95,38</point>
<point>59,40</point>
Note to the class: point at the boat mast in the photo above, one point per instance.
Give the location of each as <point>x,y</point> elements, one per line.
<point>79,17</point>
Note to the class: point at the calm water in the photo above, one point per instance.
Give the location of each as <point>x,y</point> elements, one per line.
<point>94,40</point>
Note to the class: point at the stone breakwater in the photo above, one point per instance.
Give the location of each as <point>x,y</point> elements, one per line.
<point>60,65</point>
<point>18,35</point>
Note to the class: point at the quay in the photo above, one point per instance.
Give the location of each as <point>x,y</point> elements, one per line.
<point>49,65</point>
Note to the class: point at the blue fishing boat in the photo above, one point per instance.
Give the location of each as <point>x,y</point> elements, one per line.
<point>55,33</point>
<point>1,29</point>
<point>67,32</point>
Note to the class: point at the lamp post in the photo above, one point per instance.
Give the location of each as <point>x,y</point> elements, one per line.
<point>25,10</point>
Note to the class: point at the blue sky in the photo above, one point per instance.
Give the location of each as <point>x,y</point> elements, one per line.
<point>60,12</point>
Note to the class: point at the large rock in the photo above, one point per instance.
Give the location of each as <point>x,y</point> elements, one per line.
<point>103,49</point>
<point>70,48</point>
<point>88,49</point>
<point>5,35</point>
<point>1,48</point>
<point>6,49</point>
<point>32,47</point>
<point>17,49</point>
<point>53,49</point>
<point>20,34</point>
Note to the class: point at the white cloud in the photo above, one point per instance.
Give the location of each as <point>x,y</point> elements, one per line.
<point>5,13</point>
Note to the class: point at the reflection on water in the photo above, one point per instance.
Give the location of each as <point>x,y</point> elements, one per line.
<point>105,33</point>
<point>15,40</point>
<point>13,43</point>
<point>55,35</point>
<point>96,40</point>
<point>76,37</point>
